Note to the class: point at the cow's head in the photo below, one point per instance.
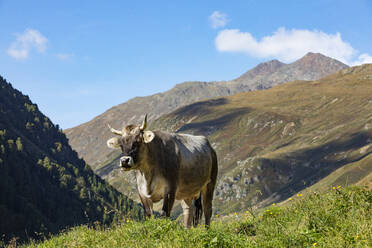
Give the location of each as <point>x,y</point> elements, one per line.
<point>131,140</point>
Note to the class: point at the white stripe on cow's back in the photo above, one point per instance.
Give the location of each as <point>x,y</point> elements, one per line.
<point>193,143</point>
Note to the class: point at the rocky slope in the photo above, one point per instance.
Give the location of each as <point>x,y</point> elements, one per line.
<point>89,139</point>
<point>272,144</point>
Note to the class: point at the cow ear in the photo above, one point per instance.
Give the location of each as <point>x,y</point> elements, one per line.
<point>148,136</point>
<point>113,143</point>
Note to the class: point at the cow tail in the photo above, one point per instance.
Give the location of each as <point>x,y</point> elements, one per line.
<point>198,211</point>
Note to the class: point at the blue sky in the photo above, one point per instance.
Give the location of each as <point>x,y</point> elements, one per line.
<point>76,59</point>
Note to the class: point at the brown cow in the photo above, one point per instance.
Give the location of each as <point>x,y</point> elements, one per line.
<point>169,166</point>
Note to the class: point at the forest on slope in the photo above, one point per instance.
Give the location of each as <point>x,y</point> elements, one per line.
<point>44,186</point>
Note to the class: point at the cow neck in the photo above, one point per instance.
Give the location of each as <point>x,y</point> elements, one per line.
<point>145,168</point>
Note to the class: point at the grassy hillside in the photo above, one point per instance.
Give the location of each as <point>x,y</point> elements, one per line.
<point>89,139</point>
<point>338,218</point>
<point>44,186</point>
<point>272,144</point>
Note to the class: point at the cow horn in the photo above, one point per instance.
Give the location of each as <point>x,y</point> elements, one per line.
<point>144,123</point>
<point>114,131</point>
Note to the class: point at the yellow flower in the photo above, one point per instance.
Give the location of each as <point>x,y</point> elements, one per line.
<point>301,194</point>
<point>235,213</point>
<point>333,187</point>
<point>314,244</point>
<point>247,212</point>
<point>127,220</point>
<point>271,212</point>
<point>290,199</point>
<point>216,215</point>
<point>298,194</point>
<point>338,186</point>
<point>273,204</point>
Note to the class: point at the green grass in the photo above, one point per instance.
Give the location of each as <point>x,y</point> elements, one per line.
<point>337,218</point>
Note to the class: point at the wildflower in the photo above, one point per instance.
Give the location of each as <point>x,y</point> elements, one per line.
<point>271,212</point>
<point>247,212</point>
<point>298,195</point>
<point>235,214</point>
<point>338,186</point>
<point>301,194</point>
<point>315,244</point>
<point>216,215</point>
<point>127,220</point>
<point>273,204</point>
<point>333,187</point>
<point>290,199</point>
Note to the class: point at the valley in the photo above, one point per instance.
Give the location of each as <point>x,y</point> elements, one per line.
<point>272,143</point>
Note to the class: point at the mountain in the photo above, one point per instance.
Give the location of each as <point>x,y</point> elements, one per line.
<point>274,143</point>
<point>89,139</point>
<point>44,186</point>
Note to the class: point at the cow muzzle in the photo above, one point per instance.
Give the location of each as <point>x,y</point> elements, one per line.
<point>126,162</point>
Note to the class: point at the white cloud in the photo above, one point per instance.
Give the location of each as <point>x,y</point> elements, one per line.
<point>218,19</point>
<point>30,39</point>
<point>288,45</point>
<point>65,56</point>
<point>363,59</point>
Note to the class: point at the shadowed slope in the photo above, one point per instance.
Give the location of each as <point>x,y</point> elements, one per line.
<point>44,186</point>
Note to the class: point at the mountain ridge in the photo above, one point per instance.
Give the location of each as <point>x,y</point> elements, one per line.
<point>89,138</point>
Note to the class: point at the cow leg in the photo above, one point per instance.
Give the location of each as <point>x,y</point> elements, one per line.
<point>188,210</point>
<point>198,210</point>
<point>207,192</point>
<point>168,201</point>
<point>207,197</point>
<point>147,205</point>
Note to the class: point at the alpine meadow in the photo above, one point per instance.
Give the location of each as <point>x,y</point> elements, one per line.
<point>186,124</point>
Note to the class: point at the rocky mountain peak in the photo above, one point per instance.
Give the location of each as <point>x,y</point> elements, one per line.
<point>262,69</point>
<point>318,61</point>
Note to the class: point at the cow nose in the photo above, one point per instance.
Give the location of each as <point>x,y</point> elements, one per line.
<point>125,161</point>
